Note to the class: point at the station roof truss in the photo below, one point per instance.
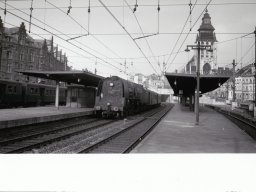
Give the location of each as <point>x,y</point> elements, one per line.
<point>75,77</point>
<point>185,84</point>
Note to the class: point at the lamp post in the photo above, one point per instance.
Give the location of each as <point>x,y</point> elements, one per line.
<point>198,47</point>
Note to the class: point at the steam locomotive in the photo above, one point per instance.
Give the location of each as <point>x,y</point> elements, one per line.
<point>118,97</point>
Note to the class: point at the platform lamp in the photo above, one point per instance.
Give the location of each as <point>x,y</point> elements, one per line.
<point>198,47</point>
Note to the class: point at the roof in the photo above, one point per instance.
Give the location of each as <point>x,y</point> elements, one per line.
<point>187,82</point>
<point>206,26</point>
<point>245,71</point>
<point>206,36</point>
<point>206,29</point>
<point>77,77</point>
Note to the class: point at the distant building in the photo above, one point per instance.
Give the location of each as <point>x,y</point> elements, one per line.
<point>244,87</point>
<point>155,83</point>
<point>191,66</point>
<point>19,51</point>
<point>152,82</point>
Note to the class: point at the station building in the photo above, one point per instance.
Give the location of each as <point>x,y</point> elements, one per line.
<point>20,52</point>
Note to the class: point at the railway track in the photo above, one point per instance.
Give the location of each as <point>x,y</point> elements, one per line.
<point>124,140</point>
<point>243,123</point>
<point>23,140</point>
<point>81,135</point>
<point>92,138</point>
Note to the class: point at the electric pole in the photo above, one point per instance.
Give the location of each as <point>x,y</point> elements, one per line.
<point>198,47</point>
<point>227,89</point>
<point>234,81</point>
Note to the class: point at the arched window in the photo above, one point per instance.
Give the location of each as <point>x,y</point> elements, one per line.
<point>206,68</point>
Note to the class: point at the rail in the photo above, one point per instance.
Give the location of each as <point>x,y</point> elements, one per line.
<point>244,122</point>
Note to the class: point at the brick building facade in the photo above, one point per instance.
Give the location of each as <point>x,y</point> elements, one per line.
<point>19,52</point>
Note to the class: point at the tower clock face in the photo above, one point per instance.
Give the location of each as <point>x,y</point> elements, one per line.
<point>206,21</point>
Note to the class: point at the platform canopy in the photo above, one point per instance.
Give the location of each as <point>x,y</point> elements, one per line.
<point>185,84</point>
<point>76,77</point>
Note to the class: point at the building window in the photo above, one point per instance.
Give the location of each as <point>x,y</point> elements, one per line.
<point>31,57</point>
<point>9,67</point>
<point>9,55</point>
<point>21,56</point>
<point>9,88</point>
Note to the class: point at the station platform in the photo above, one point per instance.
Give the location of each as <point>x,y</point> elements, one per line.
<point>25,116</point>
<point>177,133</point>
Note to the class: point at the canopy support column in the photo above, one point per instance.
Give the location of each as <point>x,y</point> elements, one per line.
<point>57,94</point>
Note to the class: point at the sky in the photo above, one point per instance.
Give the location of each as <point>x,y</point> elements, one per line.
<point>113,28</point>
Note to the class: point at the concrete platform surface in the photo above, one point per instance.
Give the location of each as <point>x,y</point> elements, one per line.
<point>177,133</point>
<point>25,116</point>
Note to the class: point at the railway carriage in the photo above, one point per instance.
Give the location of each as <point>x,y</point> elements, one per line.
<point>10,93</point>
<point>118,97</point>
<point>16,94</point>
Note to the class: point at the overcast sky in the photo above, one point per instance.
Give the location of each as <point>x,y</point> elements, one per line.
<point>111,44</point>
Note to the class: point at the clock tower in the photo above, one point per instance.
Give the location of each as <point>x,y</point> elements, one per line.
<point>207,36</point>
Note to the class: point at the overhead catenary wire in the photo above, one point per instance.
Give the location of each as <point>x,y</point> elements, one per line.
<point>89,10</point>
<point>89,13</point>
<point>69,7</point>
<point>137,58</point>
<point>189,32</point>
<point>103,34</point>
<point>127,34</point>
<point>59,45</point>
<point>30,16</point>
<point>71,50</point>
<point>190,14</point>
<point>45,11</point>
<point>135,6</point>
<point>142,32</point>
<point>183,28</point>
<point>241,59</point>
<point>152,34</point>
<point>108,48</point>
<point>158,16</point>
<point>61,38</point>
<point>149,5</point>
<point>60,31</point>
<point>5,10</point>
<point>66,35</point>
<point>232,39</point>
<point>248,50</point>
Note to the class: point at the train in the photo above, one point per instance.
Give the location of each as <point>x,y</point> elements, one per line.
<point>117,97</point>
<point>19,94</point>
